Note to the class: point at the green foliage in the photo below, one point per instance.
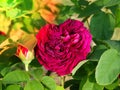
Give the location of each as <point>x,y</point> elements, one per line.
<point>33,85</point>
<point>0,85</point>
<point>9,3</point>
<point>37,73</point>
<point>16,76</point>
<point>117,16</point>
<point>78,66</point>
<point>85,69</point>
<point>108,3</point>
<point>49,83</point>
<point>14,13</point>
<point>2,38</point>
<point>26,4</point>
<point>114,44</point>
<point>109,63</point>
<point>89,10</point>
<point>101,24</point>
<point>13,87</point>
<point>113,85</point>
<point>97,52</point>
<point>22,19</point>
<point>60,88</point>
<point>72,82</point>
<point>88,83</point>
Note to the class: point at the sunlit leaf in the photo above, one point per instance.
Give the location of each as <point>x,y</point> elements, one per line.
<point>117,14</point>
<point>60,88</point>
<point>33,85</point>
<point>49,82</point>
<point>67,2</point>
<point>108,67</point>
<point>16,77</point>
<point>9,3</point>
<point>28,25</point>
<point>13,87</point>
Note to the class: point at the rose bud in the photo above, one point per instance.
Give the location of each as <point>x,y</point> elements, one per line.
<point>25,55</point>
<point>2,33</point>
<point>61,47</point>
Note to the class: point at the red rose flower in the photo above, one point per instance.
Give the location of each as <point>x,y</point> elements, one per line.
<point>61,47</point>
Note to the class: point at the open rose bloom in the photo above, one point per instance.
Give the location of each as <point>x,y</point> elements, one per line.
<point>61,47</point>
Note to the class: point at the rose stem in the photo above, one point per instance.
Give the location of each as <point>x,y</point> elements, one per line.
<point>86,18</point>
<point>62,80</point>
<point>88,23</point>
<point>26,67</point>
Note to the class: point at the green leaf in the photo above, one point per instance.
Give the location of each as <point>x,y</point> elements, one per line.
<point>115,44</point>
<point>102,25</point>
<point>60,88</point>
<point>5,56</point>
<point>35,63</point>
<point>108,67</point>
<point>46,88</point>
<point>28,25</point>
<point>113,85</point>
<point>112,3</point>
<point>74,87</point>
<point>71,82</point>
<point>16,76</point>
<point>108,3</point>
<point>2,38</point>
<point>78,66</point>
<point>15,13</point>
<point>26,5</point>
<point>3,3</point>
<point>90,85</point>
<point>37,20</point>
<point>116,12</point>
<point>13,87</point>
<point>33,85</point>
<point>82,2</point>
<point>80,73</point>
<point>89,10</point>
<point>62,15</point>
<point>117,16</point>
<point>9,3</point>
<point>117,88</point>
<point>67,2</point>
<point>37,73</point>
<point>49,82</point>
<point>5,70</point>
<point>13,3</point>
<point>97,52</point>
<point>0,85</point>
<point>85,69</point>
